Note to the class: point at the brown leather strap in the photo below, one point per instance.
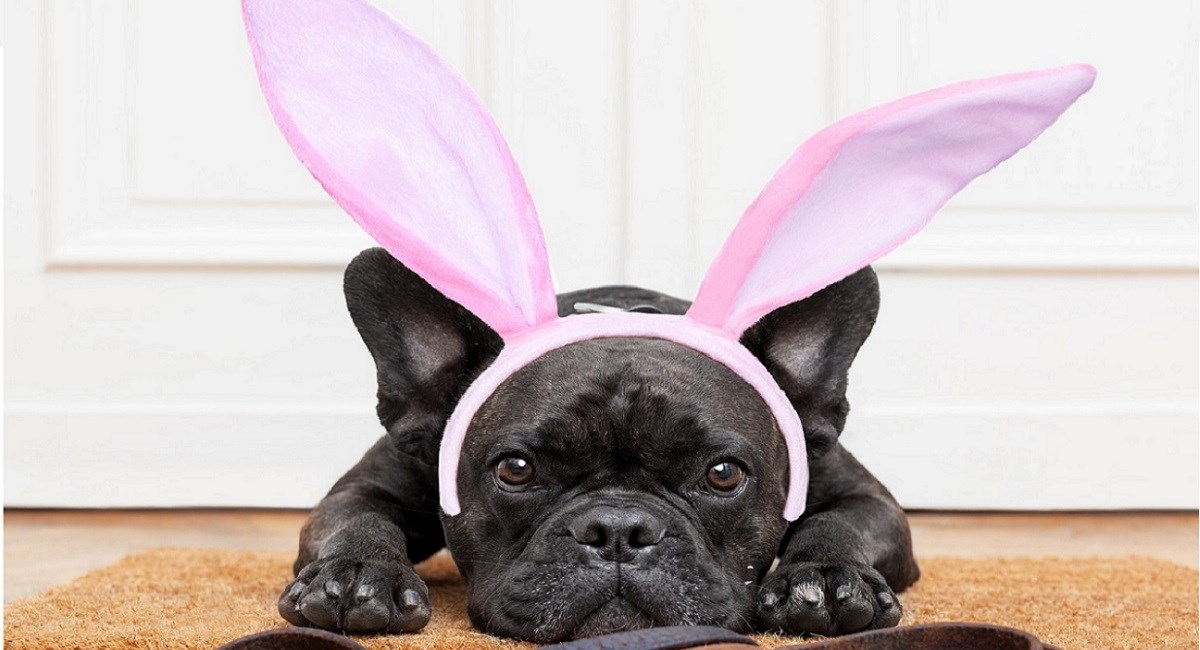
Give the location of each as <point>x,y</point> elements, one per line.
<point>662,638</point>
<point>934,636</point>
<point>293,638</point>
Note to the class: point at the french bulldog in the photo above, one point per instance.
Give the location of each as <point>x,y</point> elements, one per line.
<point>634,477</point>
<point>612,484</point>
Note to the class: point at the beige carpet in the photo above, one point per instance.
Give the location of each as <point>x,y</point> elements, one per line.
<point>194,598</point>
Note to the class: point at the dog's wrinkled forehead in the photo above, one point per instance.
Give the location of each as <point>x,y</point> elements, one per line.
<point>647,397</point>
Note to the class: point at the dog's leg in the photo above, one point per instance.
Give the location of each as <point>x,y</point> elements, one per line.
<point>842,562</point>
<point>354,572</point>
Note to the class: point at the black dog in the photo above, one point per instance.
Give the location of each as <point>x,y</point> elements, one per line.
<point>612,484</point>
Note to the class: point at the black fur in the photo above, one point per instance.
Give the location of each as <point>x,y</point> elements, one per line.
<point>618,529</point>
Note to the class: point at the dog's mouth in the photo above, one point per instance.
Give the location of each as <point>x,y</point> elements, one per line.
<point>616,614</point>
<point>552,606</point>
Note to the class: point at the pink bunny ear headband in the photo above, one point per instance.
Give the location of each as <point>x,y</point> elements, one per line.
<point>402,144</point>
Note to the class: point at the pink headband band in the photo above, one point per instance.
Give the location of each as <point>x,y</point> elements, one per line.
<point>403,145</point>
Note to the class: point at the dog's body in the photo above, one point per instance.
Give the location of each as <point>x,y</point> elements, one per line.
<point>611,484</point>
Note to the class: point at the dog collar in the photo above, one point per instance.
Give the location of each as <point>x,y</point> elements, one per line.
<point>406,149</point>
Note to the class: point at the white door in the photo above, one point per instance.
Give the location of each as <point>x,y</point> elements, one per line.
<point>175,331</point>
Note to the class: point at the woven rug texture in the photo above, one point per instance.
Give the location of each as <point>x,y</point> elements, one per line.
<point>174,598</point>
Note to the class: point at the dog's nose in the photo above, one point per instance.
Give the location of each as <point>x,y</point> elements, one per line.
<point>617,534</point>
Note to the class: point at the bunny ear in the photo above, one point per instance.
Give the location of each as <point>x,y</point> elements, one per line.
<point>864,185</point>
<point>402,144</point>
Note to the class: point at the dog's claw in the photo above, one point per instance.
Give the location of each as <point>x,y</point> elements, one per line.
<point>810,593</point>
<point>333,589</point>
<point>364,593</point>
<point>411,599</point>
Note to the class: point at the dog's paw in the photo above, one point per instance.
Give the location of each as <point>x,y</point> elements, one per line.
<point>357,596</point>
<point>826,599</point>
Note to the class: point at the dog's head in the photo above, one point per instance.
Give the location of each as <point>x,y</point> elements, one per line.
<point>613,483</point>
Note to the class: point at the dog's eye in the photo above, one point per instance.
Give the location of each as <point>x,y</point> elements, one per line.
<point>724,477</point>
<point>514,472</point>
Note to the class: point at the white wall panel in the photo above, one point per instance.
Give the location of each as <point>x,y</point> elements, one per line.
<point>175,327</point>
<point>1123,147</point>
<point>1032,338</point>
<point>761,79</point>
<point>1113,185</point>
<point>661,87</point>
<point>556,86</point>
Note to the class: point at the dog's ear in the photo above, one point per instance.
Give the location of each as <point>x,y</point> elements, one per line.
<point>427,348</point>
<point>809,345</point>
